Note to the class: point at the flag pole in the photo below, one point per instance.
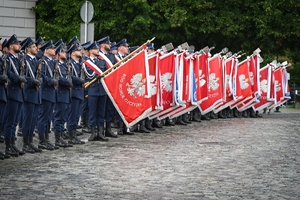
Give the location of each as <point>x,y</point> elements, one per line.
<point>88,84</point>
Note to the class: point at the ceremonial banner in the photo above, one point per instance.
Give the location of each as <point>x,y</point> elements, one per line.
<point>286,88</point>
<point>254,81</point>
<point>265,88</point>
<point>189,88</point>
<point>166,73</point>
<point>230,67</point>
<point>178,99</point>
<point>127,86</point>
<point>243,85</point>
<point>279,87</point>
<point>93,66</point>
<point>154,83</point>
<point>203,78</point>
<point>214,85</point>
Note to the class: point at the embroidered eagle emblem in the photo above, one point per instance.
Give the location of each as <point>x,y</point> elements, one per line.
<point>136,87</point>
<point>166,82</point>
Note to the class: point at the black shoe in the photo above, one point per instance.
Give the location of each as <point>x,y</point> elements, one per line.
<point>144,130</point>
<point>11,152</point>
<point>65,135</point>
<point>4,155</point>
<point>169,122</point>
<point>110,134</point>
<point>108,131</point>
<point>58,141</point>
<point>156,124</point>
<point>180,122</point>
<point>38,150</point>
<point>100,136</point>
<point>13,146</point>
<point>149,127</point>
<point>27,148</point>
<point>86,130</point>
<point>78,133</point>
<point>114,125</point>
<point>186,121</point>
<point>73,138</point>
<point>43,145</point>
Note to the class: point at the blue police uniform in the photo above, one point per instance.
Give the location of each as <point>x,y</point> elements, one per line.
<point>63,96</point>
<point>110,110</point>
<point>48,98</point>
<point>32,100</point>
<point>3,92</point>
<point>77,95</point>
<point>15,99</point>
<point>96,98</point>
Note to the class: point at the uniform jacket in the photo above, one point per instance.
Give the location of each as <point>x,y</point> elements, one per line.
<point>3,90</point>
<point>48,88</point>
<point>64,85</point>
<point>77,90</point>
<point>32,93</point>
<point>14,86</point>
<point>96,89</point>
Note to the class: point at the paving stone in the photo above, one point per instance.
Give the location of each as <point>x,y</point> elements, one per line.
<point>237,158</point>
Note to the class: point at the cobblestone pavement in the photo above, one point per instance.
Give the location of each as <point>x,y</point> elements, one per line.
<point>239,158</point>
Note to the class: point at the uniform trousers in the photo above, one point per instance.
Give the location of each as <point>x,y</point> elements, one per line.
<point>61,114</point>
<point>97,106</point>
<point>30,115</point>
<point>11,117</point>
<point>74,114</point>
<point>2,113</point>
<point>45,116</point>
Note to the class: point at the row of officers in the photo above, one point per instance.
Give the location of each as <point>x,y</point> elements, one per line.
<point>43,82</point>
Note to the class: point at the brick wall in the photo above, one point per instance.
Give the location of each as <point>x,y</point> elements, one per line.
<point>17,18</point>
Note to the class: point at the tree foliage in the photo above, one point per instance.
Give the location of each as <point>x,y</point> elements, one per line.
<point>271,25</point>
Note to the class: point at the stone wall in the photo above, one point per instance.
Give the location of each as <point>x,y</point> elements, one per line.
<point>17,18</point>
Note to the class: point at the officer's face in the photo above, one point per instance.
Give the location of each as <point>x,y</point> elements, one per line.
<point>50,51</point>
<point>78,53</point>
<point>0,46</point>
<point>94,52</point>
<point>32,49</point>
<point>107,47</point>
<point>63,55</point>
<point>124,49</point>
<point>16,47</point>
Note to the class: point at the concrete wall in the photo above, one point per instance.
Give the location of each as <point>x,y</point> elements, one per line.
<point>17,18</point>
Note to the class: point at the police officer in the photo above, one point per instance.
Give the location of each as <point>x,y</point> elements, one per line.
<point>77,93</point>
<point>3,95</point>
<point>85,106</point>
<point>15,73</point>
<point>96,95</point>
<point>63,97</point>
<point>39,42</point>
<point>123,50</point>
<point>49,85</point>
<point>110,60</point>
<point>32,95</point>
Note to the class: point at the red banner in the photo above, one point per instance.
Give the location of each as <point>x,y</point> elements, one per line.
<point>265,87</point>
<point>214,85</point>
<point>126,87</point>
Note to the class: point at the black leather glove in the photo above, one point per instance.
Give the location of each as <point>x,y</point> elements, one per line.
<point>4,78</point>
<point>36,82</point>
<point>82,81</point>
<point>70,83</point>
<point>54,82</point>
<point>22,79</point>
<point>41,80</point>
